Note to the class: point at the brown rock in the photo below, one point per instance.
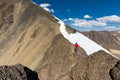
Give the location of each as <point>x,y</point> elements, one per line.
<point>17,72</point>
<point>115,72</point>
<point>94,67</point>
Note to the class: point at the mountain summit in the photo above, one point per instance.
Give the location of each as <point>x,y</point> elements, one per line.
<point>33,37</point>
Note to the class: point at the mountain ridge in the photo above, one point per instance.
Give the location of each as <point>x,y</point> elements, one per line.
<point>33,38</point>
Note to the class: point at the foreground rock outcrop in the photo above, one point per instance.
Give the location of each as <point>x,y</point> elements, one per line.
<point>94,67</point>
<point>17,72</point>
<point>115,72</point>
<point>98,66</point>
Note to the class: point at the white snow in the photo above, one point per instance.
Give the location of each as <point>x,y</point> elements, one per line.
<point>34,2</point>
<point>87,44</point>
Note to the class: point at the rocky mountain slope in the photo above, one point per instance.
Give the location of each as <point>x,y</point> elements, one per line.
<point>31,36</point>
<point>108,39</point>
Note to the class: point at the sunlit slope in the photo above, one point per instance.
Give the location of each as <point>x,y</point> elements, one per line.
<point>28,36</point>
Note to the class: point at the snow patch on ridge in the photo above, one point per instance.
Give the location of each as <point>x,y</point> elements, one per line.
<point>87,44</point>
<point>34,2</point>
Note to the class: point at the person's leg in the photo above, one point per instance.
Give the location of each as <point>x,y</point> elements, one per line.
<point>75,49</point>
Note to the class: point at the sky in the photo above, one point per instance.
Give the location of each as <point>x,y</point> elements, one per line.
<point>85,15</point>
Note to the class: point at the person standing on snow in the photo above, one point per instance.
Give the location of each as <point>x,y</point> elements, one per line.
<point>76,46</point>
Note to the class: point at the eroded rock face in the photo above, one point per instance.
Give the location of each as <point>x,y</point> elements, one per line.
<point>94,67</point>
<point>17,72</point>
<point>115,72</point>
<point>6,15</point>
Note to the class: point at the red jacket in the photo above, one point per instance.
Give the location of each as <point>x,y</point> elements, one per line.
<point>76,45</point>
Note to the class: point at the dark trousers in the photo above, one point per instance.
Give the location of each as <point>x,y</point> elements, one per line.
<point>76,49</point>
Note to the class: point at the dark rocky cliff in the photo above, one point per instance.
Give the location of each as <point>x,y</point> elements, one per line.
<point>17,72</point>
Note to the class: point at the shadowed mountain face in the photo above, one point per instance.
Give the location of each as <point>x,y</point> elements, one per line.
<point>108,39</point>
<point>29,35</point>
